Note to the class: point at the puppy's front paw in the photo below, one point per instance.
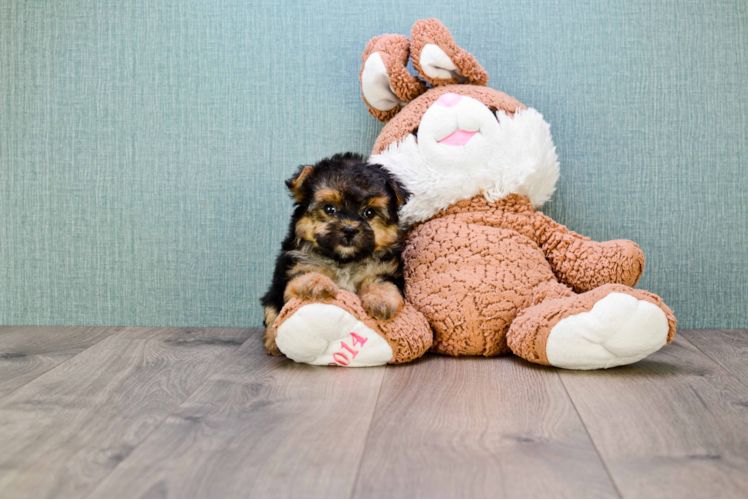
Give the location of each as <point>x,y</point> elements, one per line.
<point>381,301</point>
<point>313,286</point>
<point>269,341</point>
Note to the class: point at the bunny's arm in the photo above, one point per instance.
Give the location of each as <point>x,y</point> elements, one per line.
<point>584,264</point>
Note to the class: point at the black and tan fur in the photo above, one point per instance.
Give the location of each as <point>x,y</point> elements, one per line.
<point>343,235</point>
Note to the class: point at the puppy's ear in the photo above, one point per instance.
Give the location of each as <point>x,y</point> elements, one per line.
<point>401,193</point>
<point>296,183</point>
<point>439,60</point>
<point>386,84</point>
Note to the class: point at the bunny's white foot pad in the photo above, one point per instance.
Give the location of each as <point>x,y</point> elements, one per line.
<point>619,329</point>
<point>324,334</point>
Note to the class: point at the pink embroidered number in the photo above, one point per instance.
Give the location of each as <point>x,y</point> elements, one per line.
<point>357,339</point>
<point>345,346</point>
<point>341,358</point>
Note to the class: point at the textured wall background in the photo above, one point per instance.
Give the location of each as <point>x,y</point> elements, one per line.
<point>143,144</point>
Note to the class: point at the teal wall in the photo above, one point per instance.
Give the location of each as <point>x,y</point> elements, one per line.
<point>143,143</point>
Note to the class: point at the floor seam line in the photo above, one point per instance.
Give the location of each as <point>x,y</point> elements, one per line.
<point>587,431</point>
<point>366,438</point>
<point>63,362</point>
<point>226,359</point>
<point>729,372</point>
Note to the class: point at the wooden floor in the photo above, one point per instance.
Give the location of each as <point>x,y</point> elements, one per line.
<point>182,412</point>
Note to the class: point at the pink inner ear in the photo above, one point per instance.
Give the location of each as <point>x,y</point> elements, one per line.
<point>449,99</point>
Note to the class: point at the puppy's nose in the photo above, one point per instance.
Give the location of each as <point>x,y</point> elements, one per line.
<point>349,232</point>
<point>449,99</point>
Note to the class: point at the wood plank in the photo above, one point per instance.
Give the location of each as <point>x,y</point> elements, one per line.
<point>672,425</point>
<point>478,427</point>
<point>62,433</point>
<point>259,427</point>
<point>29,351</point>
<point>728,348</point>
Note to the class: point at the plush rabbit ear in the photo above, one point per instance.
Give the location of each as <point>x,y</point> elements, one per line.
<point>439,60</point>
<point>386,84</point>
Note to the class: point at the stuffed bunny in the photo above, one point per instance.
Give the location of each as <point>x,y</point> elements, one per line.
<point>486,273</point>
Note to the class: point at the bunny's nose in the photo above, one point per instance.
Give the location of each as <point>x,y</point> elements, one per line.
<point>449,99</point>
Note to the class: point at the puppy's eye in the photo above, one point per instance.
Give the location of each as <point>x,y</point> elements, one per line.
<point>369,213</point>
<point>330,209</point>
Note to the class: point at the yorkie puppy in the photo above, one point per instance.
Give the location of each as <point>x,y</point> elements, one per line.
<point>344,234</point>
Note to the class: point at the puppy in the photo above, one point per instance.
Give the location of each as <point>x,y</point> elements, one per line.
<point>343,234</point>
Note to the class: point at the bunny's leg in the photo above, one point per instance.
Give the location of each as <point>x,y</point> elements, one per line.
<point>609,326</point>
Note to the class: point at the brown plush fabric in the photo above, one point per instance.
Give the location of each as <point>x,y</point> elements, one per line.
<point>394,50</point>
<point>408,333</point>
<point>432,31</point>
<point>529,332</point>
<point>408,120</point>
<point>584,264</point>
<point>474,267</point>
